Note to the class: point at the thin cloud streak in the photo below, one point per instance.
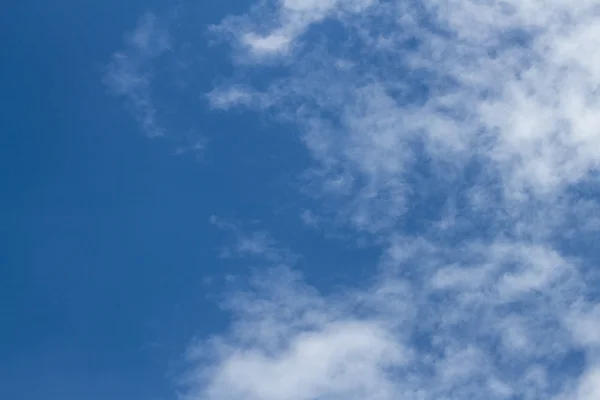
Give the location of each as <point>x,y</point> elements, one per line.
<point>129,74</point>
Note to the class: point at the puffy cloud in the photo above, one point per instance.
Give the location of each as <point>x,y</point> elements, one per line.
<point>399,338</point>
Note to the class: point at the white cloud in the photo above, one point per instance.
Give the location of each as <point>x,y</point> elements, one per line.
<point>394,339</point>
<point>323,362</point>
<point>289,343</point>
<point>589,387</point>
<point>505,88</point>
<point>461,138</point>
<point>586,324</point>
<point>129,74</point>
<point>289,20</point>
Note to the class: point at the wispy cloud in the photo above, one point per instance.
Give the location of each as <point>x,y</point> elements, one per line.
<point>462,138</point>
<point>272,32</point>
<point>500,90</point>
<point>254,243</point>
<point>130,72</point>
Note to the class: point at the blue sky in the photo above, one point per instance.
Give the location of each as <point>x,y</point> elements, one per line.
<point>299,199</point>
<point>105,239</point>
